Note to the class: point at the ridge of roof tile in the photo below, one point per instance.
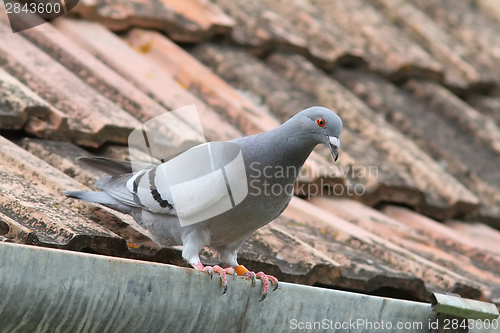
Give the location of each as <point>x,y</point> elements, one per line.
<point>174,18</point>
<point>391,52</point>
<point>92,119</point>
<point>490,8</point>
<point>143,74</point>
<point>397,257</point>
<point>479,233</point>
<point>176,133</point>
<point>474,262</point>
<point>201,81</point>
<point>311,254</point>
<point>21,108</point>
<point>463,157</point>
<point>488,106</point>
<point>462,70</point>
<point>471,25</point>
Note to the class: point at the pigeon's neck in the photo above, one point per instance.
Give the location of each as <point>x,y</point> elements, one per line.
<point>284,148</point>
<point>294,144</point>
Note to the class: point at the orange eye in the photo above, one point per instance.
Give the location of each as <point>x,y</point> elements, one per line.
<point>321,122</point>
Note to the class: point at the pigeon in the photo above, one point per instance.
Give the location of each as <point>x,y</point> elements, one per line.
<point>189,213</point>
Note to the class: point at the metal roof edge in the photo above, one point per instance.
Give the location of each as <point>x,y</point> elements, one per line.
<point>50,290</point>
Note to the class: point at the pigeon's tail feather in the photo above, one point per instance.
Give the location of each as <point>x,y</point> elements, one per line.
<point>116,187</point>
<point>112,166</point>
<point>99,197</point>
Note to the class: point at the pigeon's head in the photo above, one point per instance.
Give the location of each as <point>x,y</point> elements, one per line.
<point>323,125</point>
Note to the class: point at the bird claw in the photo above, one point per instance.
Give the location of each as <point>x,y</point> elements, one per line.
<point>251,275</point>
<point>210,271</point>
<point>240,270</point>
<point>265,282</point>
<point>223,274</point>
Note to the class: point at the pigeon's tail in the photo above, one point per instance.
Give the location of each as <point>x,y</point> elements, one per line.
<point>99,197</point>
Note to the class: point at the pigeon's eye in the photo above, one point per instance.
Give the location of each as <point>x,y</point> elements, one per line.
<point>321,122</point>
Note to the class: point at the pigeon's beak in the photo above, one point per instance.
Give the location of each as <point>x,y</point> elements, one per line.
<point>334,145</point>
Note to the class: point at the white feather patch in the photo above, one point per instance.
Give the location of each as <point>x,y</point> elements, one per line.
<point>334,141</point>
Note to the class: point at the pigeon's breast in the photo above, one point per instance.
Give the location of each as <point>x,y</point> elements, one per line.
<point>262,205</point>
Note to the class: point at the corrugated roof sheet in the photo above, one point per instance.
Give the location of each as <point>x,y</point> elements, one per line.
<point>415,83</point>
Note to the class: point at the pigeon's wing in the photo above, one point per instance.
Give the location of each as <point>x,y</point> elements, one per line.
<point>150,190</point>
<point>198,194</point>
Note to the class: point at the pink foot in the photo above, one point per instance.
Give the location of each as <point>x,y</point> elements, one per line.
<point>265,282</point>
<point>217,269</point>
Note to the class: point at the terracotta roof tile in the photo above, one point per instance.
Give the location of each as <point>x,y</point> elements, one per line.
<point>146,76</point>
<point>469,252</point>
<point>33,200</point>
<point>486,237</point>
<point>327,43</point>
<point>454,109</point>
<point>488,106</point>
<point>395,256</point>
<point>62,155</point>
<point>466,22</point>
<point>245,72</point>
<point>124,152</point>
<point>447,238</point>
<point>458,152</point>
<point>174,135</point>
<point>463,70</point>
<point>186,21</point>
<point>298,26</point>
<point>261,29</point>
<point>463,258</point>
<point>208,16</point>
<point>92,119</point>
<point>312,254</point>
<point>390,50</point>
<point>201,81</point>
<point>21,108</point>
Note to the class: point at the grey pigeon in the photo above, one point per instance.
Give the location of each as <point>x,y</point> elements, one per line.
<point>272,162</point>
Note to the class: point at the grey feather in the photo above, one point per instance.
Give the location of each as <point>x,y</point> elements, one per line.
<point>116,187</point>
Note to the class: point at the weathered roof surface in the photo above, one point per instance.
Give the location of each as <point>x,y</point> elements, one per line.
<point>183,21</point>
<point>446,140</point>
<point>411,207</point>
